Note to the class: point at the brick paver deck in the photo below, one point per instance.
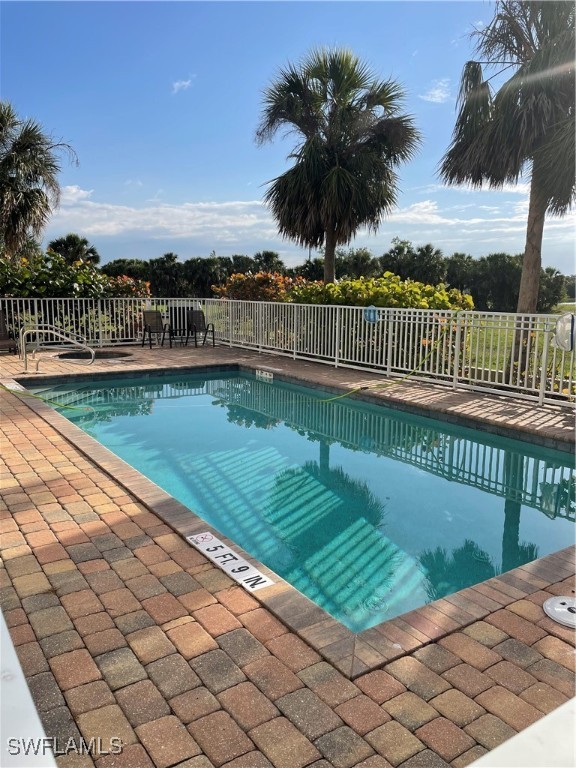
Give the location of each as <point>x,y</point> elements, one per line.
<point>125,631</point>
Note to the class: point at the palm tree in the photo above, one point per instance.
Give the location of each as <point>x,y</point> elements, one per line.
<point>74,248</point>
<point>351,137</point>
<point>166,276</point>
<point>528,125</point>
<point>356,262</point>
<point>269,261</point>
<point>29,168</point>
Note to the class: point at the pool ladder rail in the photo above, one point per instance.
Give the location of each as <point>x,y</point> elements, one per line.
<point>46,329</point>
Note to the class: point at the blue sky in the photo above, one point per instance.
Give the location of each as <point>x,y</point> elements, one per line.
<point>161,100</point>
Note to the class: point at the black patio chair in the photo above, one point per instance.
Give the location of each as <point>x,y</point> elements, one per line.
<point>154,324</point>
<point>195,324</point>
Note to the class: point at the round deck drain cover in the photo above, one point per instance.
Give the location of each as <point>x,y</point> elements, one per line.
<point>562,610</point>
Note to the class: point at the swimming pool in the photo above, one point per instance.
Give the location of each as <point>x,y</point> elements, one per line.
<point>368,511</point>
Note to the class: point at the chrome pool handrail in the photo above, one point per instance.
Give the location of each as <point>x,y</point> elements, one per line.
<point>52,330</point>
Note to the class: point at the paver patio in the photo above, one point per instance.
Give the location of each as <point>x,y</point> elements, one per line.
<point>123,630</point>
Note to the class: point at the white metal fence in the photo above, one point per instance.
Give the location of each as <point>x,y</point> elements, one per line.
<point>497,352</point>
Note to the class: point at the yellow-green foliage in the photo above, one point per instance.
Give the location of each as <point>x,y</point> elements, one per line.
<point>386,291</point>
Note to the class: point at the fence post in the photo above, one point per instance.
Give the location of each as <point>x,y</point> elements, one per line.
<point>294,330</point>
<point>259,325</point>
<point>389,340</point>
<point>457,342</point>
<point>98,308</point>
<point>544,367</point>
<point>337,337</point>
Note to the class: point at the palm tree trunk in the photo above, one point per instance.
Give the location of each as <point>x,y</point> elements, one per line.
<point>530,278</point>
<point>330,256</point>
<point>513,481</point>
<point>324,462</point>
<point>532,264</point>
<point>511,535</point>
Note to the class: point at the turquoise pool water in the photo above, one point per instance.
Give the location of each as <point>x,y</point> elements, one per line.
<point>368,511</point>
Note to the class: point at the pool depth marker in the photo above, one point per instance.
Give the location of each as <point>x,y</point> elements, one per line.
<point>235,566</point>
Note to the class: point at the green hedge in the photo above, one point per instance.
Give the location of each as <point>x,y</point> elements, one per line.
<point>386,291</point>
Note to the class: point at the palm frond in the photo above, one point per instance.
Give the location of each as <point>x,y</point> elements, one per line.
<point>510,35</point>
<point>558,177</point>
<point>467,159</point>
<point>23,212</point>
<point>386,94</point>
<point>29,169</point>
<point>395,137</point>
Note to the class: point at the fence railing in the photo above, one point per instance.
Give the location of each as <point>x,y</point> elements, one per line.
<point>488,351</point>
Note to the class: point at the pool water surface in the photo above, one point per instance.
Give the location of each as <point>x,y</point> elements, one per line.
<point>370,512</point>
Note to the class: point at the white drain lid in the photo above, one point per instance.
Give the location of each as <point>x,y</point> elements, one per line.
<point>562,610</point>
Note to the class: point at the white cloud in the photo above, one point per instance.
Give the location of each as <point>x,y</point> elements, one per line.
<point>439,91</point>
<point>133,183</point>
<point>464,35</point>
<point>247,226</point>
<point>517,189</point>
<point>181,85</point>
<point>486,208</point>
<point>425,212</point>
<point>74,194</point>
<point>428,189</point>
<point>228,221</point>
<point>521,188</point>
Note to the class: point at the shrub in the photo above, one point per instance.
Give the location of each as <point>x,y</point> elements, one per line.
<point>48,275</point>
<point>386,291</point>
<point>262,286</point>
<point>126,287</point>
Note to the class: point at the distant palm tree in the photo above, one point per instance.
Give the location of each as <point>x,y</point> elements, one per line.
<point>351,137</point>
<point>528,125</point>
<point>29,168</point>
<point>268,261</point>
<point>73,248</point>
<point>356,262</point>
<point>166,276</point>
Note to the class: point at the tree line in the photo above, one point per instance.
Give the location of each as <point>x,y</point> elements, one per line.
<point>72,263</point>
<point>493,281</point>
